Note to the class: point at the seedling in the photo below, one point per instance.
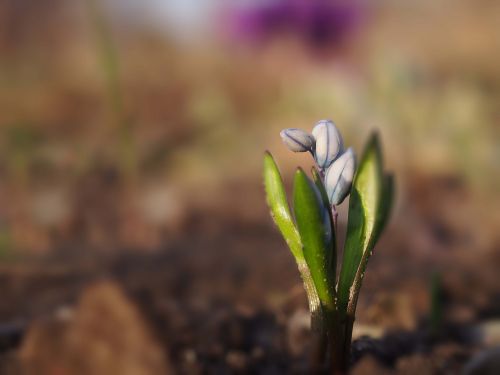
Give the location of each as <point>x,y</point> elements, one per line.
<point>311,232</point>
<point>436,313</point>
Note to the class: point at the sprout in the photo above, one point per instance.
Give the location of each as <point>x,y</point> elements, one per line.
<point>297,140</point>
<point>329,143</point>
<point>311,231</point>
<point>338,178</point>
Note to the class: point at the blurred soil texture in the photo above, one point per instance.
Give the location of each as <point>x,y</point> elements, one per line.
<point>134,236</point>
<point>234,304</point>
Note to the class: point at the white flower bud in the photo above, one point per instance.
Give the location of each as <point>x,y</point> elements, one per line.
<point>297,140</point>
<point>339,176</point>
<point>329,143</point>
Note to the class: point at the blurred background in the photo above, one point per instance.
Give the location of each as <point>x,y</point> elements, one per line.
<point>134,236</point>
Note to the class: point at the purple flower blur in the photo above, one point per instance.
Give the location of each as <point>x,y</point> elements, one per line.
<point>320,23</point>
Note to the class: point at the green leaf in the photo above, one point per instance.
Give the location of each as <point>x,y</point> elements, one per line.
<point>332,254</point>
<point>385,208</point>
<point>383,213</point>
<point>276,199</point>
<point>321,187</point>
<point>314,226</point>
<point>363,222</point>
<point>436,313</point>
<point>280,211</point>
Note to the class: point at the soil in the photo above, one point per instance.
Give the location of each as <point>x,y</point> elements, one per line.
<point>224,297</point>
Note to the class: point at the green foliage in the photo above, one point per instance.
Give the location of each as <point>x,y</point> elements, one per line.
<point>280,212</point>
<point>314,226</point>
<point>321,187</point>
<point>369,207</point>
<point>109,60</point>
<point>277,202</point>
<point>331,254</point>
<point>436,302</point>
<point>386,203</point>
<point>312,240</point>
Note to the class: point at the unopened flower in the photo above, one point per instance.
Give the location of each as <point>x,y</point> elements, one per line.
<point>311,231</point>
<point>339,176</point>
<point>329,143</point>
<point>297,140</point>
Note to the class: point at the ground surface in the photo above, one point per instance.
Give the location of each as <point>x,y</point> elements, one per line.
<point>225,297</point>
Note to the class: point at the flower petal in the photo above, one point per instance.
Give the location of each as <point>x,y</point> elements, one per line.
<point>297,140</point>
<point>329,143</point>
<point>339,176</point>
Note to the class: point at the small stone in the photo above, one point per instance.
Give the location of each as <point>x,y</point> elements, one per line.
<point>257,353</point>
<point>363,330</point>
<point>298,331</point>
<point>189,356</point>
<point>65,313</point>
<point>415,365</point>
<point>236,360</point>
<point>369,365</point>
<point>484,363</point>
<point>489,333</point>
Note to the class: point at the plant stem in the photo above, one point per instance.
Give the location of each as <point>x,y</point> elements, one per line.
<point>318,352</point>
<point>336,338</point>
<point>340,337</point>
<point>436,314</point>
<point>347,341</point>
<point>335,216</point>
<point>110,66</point>
<point>333,263</point>
<point>317,323</point>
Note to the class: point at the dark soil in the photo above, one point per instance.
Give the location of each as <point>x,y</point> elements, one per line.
<point>225,297</point>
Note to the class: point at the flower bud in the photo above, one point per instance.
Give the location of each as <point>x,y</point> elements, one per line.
<point>329,143</point>
<point>339,176</point>
<point>297,140</point>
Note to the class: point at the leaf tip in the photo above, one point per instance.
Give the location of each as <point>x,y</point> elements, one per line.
<point>375,143</point>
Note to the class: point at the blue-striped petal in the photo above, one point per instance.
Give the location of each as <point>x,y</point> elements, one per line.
<point>297,140</point>
<point>338,178</point>
<point>329,143</point>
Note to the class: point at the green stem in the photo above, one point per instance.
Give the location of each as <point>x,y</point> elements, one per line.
<point>337,335</point>
<point>318,321</point>
<point>110,66</point>
<point>318,352</point>
<point>348,341</point>
<point>312,297</point>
